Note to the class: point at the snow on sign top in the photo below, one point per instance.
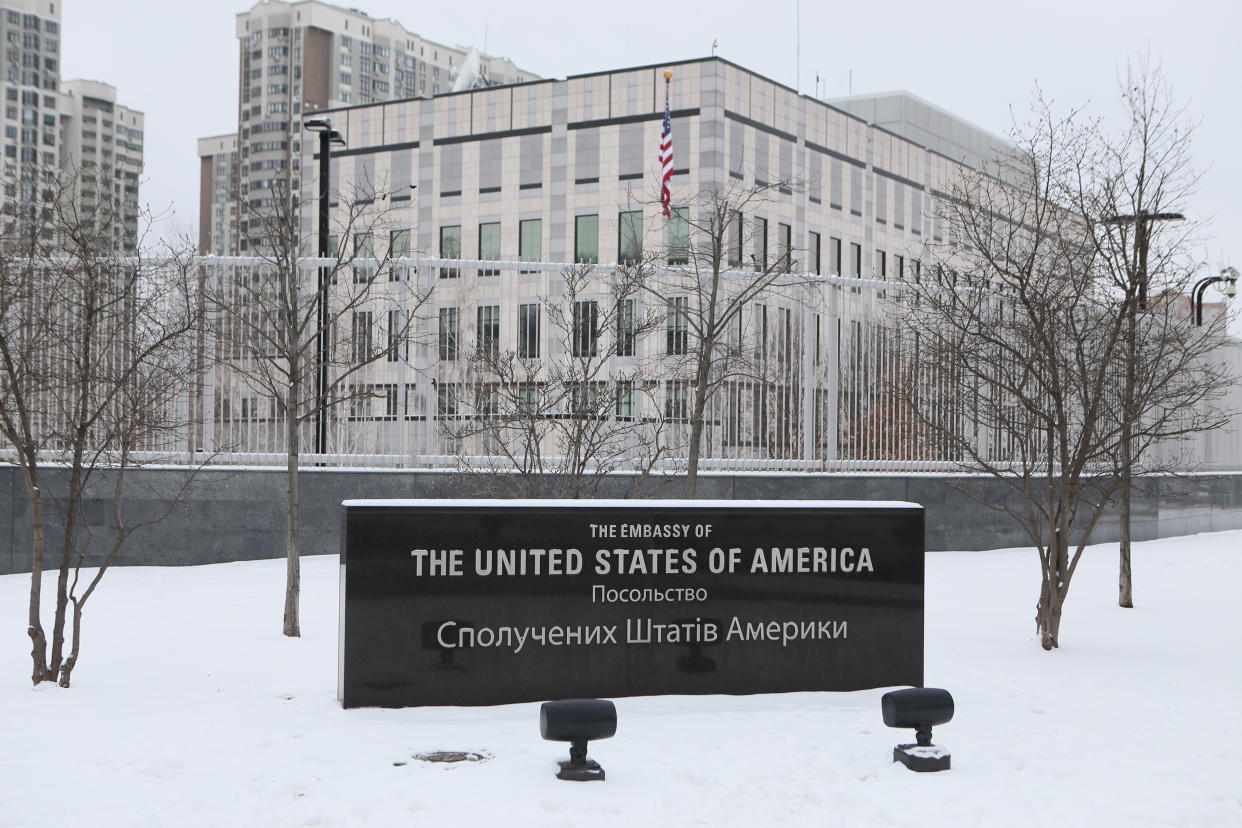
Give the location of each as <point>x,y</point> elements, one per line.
<point>493,503</point>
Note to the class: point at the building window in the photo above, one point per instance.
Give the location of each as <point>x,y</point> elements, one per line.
<point>584,398</point>
<point>784,248</point>
<point>488,330</point>
<point>881,264</point>
<point>733,236</point>
<point>487,399</point>
<point>760,254</point>
<point>586,239</point>
<point>630,237</point>
<point>834,256</point>
<point>360,402</point>
<point>625,399</point>
<point>364,248</point>
<point>489,247</point>
<point>396,336</point>
<point>530,241</point>
<point>398,248</point>
<point>450,248</point>
<point>855,259</point>
<point>528,398</point>
<point>677,236</point>
<point>625,327</point>
<point>676,329</point>
<point>446,399</point>
<point>813,249</point>
<point>448,334</point>
<point>675,398</point>
<point>586,328</point>
<point>361,336</point>
<point>528,331</point>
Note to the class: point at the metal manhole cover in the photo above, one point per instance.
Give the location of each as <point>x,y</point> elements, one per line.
<point>448,756</point>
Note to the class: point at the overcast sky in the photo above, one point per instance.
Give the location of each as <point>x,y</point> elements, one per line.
<point>177,61</point>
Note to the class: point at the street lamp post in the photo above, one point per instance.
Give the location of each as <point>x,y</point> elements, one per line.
<point>1229,276</point>
<point>1142,223</point>
<point>327,138</point>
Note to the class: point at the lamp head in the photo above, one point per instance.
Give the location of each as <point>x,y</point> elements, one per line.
<point>335,138</point>
<point>317,124</point>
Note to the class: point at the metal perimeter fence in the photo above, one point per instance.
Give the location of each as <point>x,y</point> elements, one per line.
<point>480,364</point>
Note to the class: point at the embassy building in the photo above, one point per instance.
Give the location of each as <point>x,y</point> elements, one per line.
<point>469,171</point>
<point>519,180</point>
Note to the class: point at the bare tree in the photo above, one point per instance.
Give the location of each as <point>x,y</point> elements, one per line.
<point>714,263</point>
<point>1138,182</point>
<point>1018,360</point>
<point>92,364</point>
<point>299,334</point>
<point>561,410</point>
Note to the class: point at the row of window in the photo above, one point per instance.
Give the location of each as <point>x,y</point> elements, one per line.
<point>383,400</point>
<point>32,21</point>
<point>630,249</point>
<point>630,239</point>
<point>585,398</point>
<point>585,333</point>
<point>586,241</point>
<point>29,97</point>
<point>29,40</point>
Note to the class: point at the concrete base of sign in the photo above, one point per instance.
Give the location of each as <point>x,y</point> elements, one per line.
<point>922,759</point>
<point>587,770</point>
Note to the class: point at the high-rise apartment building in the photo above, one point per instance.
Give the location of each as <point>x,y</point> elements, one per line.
<point>72,137</point>
<point>298,57</point>
<point>101,157</point>
<point>30,55</point>
<point>217,204</point>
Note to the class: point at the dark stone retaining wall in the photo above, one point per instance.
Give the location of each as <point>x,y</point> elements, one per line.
<point>230,515</point>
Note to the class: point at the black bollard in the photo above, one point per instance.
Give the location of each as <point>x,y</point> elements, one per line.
<point>578,721</point>
<point>921,708</point>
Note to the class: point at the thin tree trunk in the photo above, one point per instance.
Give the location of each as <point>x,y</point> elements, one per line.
<point>66,669</point>
<point>34,624</point>
<point>701,378</point>
<point>692,462</point>
<point>72,503</point>
<point>1125,583</point>
<point>293,575</point>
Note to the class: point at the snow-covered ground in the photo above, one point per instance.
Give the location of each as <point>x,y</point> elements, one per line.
<point>189,709</point>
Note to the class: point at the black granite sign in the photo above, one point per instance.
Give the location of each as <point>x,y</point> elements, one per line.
<point>491,602</point>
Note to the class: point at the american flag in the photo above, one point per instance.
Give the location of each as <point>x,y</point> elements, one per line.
<point>666,157</point>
